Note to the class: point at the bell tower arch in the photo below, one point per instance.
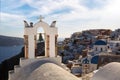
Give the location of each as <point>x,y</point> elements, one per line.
<point>30,38</point>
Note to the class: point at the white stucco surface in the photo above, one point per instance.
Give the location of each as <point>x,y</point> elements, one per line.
<point>50,71</point>
<point>110,71</point>
<point>41,69</point>
<point>31,46</point>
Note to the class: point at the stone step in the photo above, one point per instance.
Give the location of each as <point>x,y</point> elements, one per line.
<point>17,68</point>
<point>11,75</point>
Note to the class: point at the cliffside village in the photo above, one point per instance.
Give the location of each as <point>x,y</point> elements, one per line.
<point>85,55</point>
<point>85,52</point>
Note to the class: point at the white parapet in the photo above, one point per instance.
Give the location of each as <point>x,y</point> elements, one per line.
<point>22,61</point>
<point>11,75</point>
<point>59,59</point>
<point>17,68</point>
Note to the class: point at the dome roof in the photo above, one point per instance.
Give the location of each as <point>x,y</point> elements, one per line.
<point>42,69</point>
<point>50,71</point>
<point>110,71</point>
<point>85,61</point>
<point>100,42</point>
<point>95,59</point>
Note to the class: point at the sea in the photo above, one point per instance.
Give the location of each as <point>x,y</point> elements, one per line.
<point>7,52</point>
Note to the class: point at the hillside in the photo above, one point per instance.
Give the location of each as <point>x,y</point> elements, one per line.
<point>8,64</point>
<point>10,41</point>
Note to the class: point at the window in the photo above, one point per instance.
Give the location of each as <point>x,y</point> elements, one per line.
<point>117,45</point>
<point>96,49</point>
<point>108,47</point>
<point>101,49</point>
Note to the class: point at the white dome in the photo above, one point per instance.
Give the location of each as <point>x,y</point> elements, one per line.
<point>41,69</point>
<point>110,71</point>
<point>50,71</point>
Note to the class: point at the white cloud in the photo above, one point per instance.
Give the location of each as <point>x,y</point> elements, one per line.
<point>48,6</point>
<point>11,4</point>
<point>105,14</point>
<point>11,24</point>
<point>11,20</point>
<point>81,17</point>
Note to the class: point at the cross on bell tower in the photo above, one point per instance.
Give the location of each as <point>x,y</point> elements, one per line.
<point>41,17</point>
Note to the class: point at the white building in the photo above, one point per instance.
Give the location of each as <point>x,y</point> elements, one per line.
<point>114,45</point>
<point>115,34</point>
<point>100,46</point>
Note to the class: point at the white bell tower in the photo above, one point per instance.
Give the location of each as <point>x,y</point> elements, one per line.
<point>30,41</point>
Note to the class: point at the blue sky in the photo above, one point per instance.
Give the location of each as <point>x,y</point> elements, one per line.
<point>71,15</point>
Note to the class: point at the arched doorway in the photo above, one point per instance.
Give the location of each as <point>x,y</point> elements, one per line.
<point>42,30</point>
<point>40,42</point>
